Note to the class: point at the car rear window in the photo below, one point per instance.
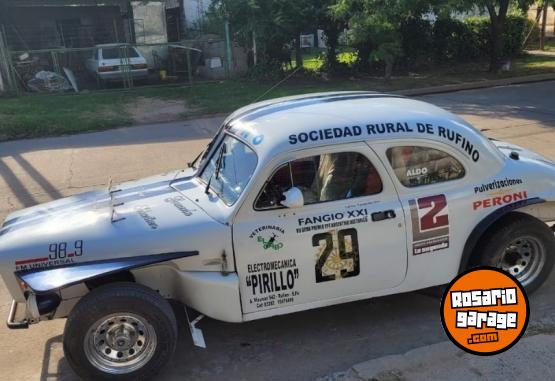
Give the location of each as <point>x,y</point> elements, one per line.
<point>416,166</point>
<point>117,52</point>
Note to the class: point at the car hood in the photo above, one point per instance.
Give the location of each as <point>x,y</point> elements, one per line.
<point>142,217</point>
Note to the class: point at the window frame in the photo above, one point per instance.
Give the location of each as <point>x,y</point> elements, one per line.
<point>198,174</point>
<point>355,150</point>
<point>430,145</point>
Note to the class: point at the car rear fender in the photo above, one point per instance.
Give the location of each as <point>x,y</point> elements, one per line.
<point>525,206</point>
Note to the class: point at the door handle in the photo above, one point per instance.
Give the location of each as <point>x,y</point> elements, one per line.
<point>383,215</point>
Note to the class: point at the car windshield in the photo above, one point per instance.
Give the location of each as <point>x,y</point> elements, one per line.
<point>229,169</point>
<point>117,52</point>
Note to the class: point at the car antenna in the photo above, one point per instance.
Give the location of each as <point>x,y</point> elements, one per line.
<point>277,84</point>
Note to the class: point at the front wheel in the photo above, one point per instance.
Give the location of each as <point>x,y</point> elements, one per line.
<point>120,331</point>
<point>523,246</point>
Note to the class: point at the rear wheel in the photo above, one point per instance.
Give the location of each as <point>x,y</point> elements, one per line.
<point>523,246</point>
<point>120,331</point>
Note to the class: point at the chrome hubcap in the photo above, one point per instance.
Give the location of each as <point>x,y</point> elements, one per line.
<point>120,344</point>
<point>524,258</point>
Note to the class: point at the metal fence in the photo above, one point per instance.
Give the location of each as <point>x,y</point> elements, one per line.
<point>113,66</point>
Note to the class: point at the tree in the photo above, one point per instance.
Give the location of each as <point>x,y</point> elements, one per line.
<point>498,15</point>
<point>374,26</point>
<point>275,24</point>
<point>332,28</point>
<point>497,11</point>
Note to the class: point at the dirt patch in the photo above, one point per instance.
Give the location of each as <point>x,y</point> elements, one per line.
<point>153,110</point>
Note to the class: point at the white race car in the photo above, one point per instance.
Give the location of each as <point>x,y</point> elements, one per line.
<point>297,203</point>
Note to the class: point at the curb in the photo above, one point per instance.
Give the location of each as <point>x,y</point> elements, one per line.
<point>445,361</point>
<point>476,85</point>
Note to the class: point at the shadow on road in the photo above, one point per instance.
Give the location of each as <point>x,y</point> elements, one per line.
<point>156,133</point>
<point>61,371</point>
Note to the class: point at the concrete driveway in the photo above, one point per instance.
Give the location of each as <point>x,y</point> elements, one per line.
<point>302,346</point>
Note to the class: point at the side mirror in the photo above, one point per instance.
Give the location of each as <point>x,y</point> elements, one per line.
<point>293,198</point>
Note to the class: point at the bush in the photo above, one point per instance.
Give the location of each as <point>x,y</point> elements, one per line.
<point>270,70</point>
<point>416,41</point>
<point>516,28</point>
<point>453,40</point>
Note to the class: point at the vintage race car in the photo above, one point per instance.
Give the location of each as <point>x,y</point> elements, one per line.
<point>297,203</point>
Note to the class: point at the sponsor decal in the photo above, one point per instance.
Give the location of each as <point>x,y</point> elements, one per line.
<point>496,185</point>
<point>337,255</point>
<point>388,128</point>
<point>59,253</point>
<point>272,283</point>
<point>177,202</point>
<point>499,200</point>
<point>411,172</point>
<point>332,220</point>
<point>430,224</point>
<point>484,311</point>
<point>269,237</point>
<point>144,212</point>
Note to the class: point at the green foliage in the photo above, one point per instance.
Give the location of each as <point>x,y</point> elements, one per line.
<point>516,29</point>
<point>416,41</point>
<point>269,70</point>
<point>452,40</point>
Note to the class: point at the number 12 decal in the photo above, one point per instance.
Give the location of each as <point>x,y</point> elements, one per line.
<point>337,254</point>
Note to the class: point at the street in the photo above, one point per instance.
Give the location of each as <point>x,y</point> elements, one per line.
<point>302,346</point>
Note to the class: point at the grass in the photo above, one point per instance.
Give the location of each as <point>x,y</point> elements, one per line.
<point>42,115</point>
<point>550,45</point>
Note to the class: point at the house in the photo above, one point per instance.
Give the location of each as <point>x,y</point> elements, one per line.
<point>48,24</point>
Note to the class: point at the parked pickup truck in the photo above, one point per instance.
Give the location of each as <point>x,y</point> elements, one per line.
<point>297,203</point>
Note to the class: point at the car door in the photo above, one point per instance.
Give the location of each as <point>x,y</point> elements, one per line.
<point>347,239</point>
<point>434,182</point>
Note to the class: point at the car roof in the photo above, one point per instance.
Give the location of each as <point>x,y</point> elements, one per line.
<point>311,120</point>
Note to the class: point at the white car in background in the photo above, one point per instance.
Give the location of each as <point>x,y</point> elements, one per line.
<point>109,62</point>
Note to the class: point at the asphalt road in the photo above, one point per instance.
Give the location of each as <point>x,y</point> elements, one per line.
<point>301,346</point>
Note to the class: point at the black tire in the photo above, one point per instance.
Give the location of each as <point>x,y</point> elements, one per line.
<point>127,299</point>
<point>500,247</point>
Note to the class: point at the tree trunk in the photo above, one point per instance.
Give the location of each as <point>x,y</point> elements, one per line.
<point>332,37</point>
<point>544,24</point>
<point>298,51</point>
<point>496,47</point>
<point>497,30</point>
<point>388,69</point>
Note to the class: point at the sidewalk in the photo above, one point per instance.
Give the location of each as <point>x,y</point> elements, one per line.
<point>530,359</point>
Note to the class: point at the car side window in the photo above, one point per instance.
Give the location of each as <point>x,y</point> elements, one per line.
<point>321,178</point>
<point>416,166</point>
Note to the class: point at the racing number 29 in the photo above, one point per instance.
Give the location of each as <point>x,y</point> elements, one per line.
<point>353,254</point>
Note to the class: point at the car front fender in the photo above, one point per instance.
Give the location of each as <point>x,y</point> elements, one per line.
<point>48,280</point>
